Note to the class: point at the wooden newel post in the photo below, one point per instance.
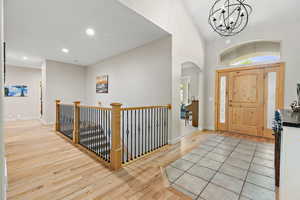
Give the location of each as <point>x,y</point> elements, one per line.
<point>76,123</point>
<point>57,116</point>
<point>115,153</point>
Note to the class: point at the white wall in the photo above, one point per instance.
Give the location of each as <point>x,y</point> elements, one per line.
<point>193,73</point>
<point>3,177</point>
<point>61,81</point>
<point>139,77</point>
<point>23,108</point>
<point>187,46</point>
<point>288,34</point>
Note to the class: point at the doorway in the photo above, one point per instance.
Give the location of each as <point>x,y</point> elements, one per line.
<point>190,92</point>
<point>246,98</point>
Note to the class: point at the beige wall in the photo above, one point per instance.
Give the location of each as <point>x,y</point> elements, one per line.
<point>23,108</point>
<point>61,81</point>
<point>139,77</point>
<point>187,46</point>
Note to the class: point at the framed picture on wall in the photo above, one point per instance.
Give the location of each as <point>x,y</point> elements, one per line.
<point>16,91</point>
<point>102,84</point>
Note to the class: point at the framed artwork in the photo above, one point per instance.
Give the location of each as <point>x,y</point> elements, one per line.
<point>102,84</point>
<point>16,91</point>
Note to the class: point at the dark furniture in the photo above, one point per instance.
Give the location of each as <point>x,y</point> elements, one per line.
<point>194,109</point>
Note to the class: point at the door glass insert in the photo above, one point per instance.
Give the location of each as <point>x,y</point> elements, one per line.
<point>271,100</point>
<point>223,99</point>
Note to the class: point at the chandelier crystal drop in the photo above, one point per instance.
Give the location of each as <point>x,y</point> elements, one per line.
<point>229,17</point>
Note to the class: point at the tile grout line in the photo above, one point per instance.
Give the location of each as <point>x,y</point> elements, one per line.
<point>208,182</point>
<point>218,142</point>
<point>186,171</point>
<point>248,172</point>
<point>218,168</point>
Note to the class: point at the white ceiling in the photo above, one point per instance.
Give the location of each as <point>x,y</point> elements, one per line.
<point>40,29</point>
<point>264,11</point>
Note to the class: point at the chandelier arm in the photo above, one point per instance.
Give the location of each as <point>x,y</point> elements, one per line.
<point>246,23</point>
<point>245,5</point>
<point>212,8</point>
<point>235,8</point>
<point>240,23</point>
<point>215,11</point>
<point>214,27</point>
<point>217,30</point>
<point>250,8</point>
<point>224,22</point>
<point>237,19</point>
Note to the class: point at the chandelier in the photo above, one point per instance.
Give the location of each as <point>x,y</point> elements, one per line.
<point>229,17</point>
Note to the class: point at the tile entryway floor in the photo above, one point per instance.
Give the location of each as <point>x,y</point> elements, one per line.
<point>225,168</point>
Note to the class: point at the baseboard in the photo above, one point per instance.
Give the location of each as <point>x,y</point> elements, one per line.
<point>21,119</point>
<point>46,123</point>
<point>200,128</point>
<point>176,140</point>
<point>209,128</point>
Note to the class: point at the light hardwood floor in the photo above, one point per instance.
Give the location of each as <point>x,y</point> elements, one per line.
<point>42,165</point>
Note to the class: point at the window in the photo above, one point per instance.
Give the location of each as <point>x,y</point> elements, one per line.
<point>257,59</point>
<point>253,52</point>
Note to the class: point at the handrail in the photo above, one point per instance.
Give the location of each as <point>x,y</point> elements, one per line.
<point>65,104</point>
<point>125,108</point>
<point>95,107</point>
<point>146,107</point>
<point>106,133</point>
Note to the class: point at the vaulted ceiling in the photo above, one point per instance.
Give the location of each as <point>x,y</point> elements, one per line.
<point>264,11</point>
<point>37,30</point>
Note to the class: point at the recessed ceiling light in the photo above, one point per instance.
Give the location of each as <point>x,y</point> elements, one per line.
<point>65,50</point>
<point>90,32</point>
<point>25,58</point>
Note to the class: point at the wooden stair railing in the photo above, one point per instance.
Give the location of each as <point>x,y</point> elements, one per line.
<point>101,133</point>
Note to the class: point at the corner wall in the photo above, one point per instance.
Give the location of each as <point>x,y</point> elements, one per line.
<point>139,77</point>
<point>288,34</point>
<point>61,81</point>
<point>187,46</point>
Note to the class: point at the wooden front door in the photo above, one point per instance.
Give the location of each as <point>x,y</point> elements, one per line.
<point>246,108</point>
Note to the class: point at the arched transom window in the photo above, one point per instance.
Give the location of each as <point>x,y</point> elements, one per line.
<point>252,52</point>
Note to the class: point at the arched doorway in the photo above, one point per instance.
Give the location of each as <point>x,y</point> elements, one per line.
<point>191,94</point>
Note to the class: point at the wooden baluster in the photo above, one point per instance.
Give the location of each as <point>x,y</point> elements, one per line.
<point>76,123</point>
<point>115,153</point>
<point>57,118</point>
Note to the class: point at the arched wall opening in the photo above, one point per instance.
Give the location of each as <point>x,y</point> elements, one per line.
<point>191,88</point>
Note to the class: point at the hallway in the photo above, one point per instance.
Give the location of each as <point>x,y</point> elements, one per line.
<point>42,165</point>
